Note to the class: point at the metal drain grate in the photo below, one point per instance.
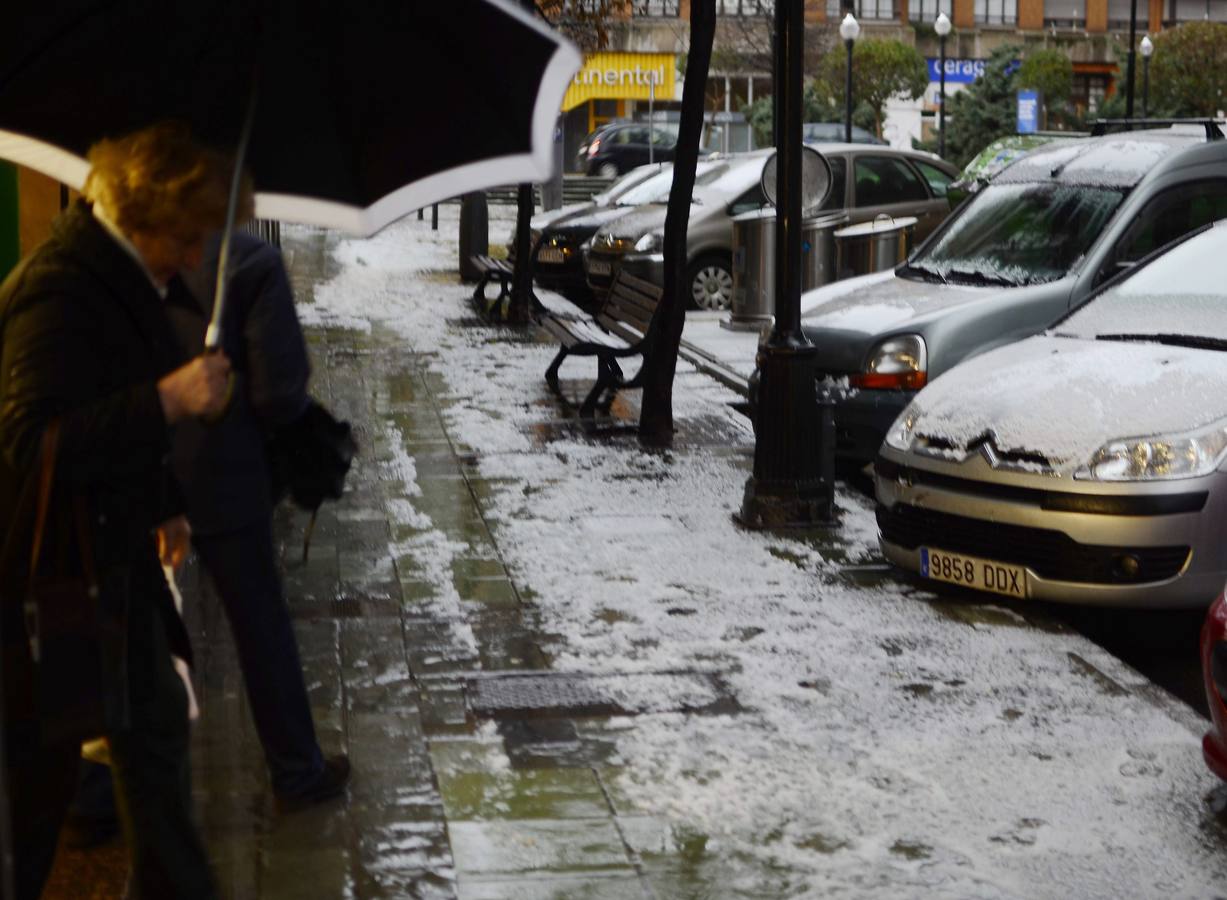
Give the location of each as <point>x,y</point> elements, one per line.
<point>562,695</point>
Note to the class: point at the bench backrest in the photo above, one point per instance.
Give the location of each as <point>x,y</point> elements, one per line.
<point>630,304</point>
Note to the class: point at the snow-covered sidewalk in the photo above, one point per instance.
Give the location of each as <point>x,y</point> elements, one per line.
<point>888,743</point>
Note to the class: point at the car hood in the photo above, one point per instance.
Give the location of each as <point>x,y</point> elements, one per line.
<point>544,220</point>
<point>651,218</point>
<point>845,319</point>
<point>584,224</point>
<point>1063,398</point>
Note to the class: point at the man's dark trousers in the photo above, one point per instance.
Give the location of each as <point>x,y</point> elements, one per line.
<point>242,566</point>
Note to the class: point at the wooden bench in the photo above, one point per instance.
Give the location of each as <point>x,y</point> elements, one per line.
<point>626,325</point>
<point>491,270</point>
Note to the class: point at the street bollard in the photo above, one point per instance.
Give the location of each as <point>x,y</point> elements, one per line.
<point>434,217</point>
<point>474,234</point>
<point>421,214</point>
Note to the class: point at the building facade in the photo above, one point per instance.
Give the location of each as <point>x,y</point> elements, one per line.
<point>1093,33</point>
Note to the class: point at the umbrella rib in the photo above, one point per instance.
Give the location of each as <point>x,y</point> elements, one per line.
<point>213,337</point>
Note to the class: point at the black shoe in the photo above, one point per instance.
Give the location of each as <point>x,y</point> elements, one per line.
<point>329,783</point>
<point>87,832</point>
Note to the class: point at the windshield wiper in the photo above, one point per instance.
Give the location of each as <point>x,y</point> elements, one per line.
<point>1196,341</point>
<point>925,272</point>
<point>975,276</point>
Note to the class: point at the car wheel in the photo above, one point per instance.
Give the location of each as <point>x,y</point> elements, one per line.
<point>710,278</point>
<point>607,170</point>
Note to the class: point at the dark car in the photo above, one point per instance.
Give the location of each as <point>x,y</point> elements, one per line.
<point>619,147</point>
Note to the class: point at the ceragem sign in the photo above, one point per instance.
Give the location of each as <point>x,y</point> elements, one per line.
<point>623,76</point>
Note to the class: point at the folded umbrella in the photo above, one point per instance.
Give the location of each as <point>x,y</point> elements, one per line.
<point>363,112</point>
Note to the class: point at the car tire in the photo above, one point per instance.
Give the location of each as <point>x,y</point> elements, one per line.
<point>709,282</point>
<point>607,170</point>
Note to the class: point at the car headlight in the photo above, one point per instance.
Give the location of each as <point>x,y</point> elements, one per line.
<point>900,362</point>
<point>1158,458</point>
<point>649,243</point>
<point>902,433</point>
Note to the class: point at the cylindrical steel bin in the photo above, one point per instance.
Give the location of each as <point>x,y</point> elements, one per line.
<point>818,249</point>
<point>753,271</point>
<point>873,246</point>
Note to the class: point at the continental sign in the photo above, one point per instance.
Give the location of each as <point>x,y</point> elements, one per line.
<point>622,76</point>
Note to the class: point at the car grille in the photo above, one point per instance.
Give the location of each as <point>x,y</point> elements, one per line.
<point>1051,554</point>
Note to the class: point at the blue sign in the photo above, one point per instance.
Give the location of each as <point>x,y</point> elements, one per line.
<point>961,71</point>
<point>1028,112</point>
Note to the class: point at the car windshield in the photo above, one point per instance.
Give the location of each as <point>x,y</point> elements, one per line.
<point>1015,234</point>
<point>628,182</point>
<point>656,188</point>
<point>1176,299</point>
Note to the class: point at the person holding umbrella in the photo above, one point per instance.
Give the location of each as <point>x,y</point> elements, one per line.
<point>87,352</point>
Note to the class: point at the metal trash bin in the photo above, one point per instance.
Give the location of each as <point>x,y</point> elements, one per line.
<point>873,246</point>
<point>818,249</point>
<point>753,300</point>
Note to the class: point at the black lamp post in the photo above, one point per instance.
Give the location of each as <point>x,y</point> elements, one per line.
<point>1147,48</point>
<point>849,28</point>
<point>1133,42</point>
<point>942,27</point>
<point>794,442</point>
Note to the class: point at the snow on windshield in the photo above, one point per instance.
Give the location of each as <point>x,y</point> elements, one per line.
<point>1065,398</point>
<point>1021,233</point>
<point>656,189</point>
<point>1182,292</point>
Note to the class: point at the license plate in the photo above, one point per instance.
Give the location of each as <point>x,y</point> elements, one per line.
<point>599,267</point>
<point>973,572</point>
<point>550,255</point>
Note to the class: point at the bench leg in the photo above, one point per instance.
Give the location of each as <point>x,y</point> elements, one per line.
<point>588,409</point>
<point>479,294</point>
<point>551,374</point>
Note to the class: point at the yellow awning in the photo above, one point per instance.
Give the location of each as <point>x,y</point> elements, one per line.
<point>622,76</point>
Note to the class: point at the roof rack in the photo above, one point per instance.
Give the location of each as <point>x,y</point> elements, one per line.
<point>1101,126</point>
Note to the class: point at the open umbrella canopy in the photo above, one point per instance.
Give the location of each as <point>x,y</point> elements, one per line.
<point>363,111</point>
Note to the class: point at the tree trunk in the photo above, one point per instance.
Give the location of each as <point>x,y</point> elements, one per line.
<point>656,418</point>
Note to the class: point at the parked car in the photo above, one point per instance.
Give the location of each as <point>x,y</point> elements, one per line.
<point>541,224</point>
<point>1087,464</point>
<point>994,158</point>
<point>1214,673</point>
<point>830,132</point>
<point>1046,232</point>
<point>621,146</point>
<point>559,264</point>
<point>895,182</point>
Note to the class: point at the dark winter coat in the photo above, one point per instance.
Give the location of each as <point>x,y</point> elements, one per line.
<point>222,468</point>
<point>84,337</point>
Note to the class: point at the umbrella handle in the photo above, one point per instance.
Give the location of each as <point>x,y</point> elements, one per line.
<point>214,418</point>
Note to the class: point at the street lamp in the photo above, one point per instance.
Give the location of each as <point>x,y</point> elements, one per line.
<point>1133,42</point>
<point>942,27</point>
<point>849,28</point>
<point>1147,48</point>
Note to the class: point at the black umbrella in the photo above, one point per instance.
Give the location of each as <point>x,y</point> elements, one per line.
<point>364,111</point>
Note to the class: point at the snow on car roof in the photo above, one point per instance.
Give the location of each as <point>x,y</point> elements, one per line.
<point>1114,161</point>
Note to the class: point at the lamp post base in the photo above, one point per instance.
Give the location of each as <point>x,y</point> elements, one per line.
<point>793,485</point>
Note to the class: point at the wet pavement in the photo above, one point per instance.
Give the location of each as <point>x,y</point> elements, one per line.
<point>483,769</point>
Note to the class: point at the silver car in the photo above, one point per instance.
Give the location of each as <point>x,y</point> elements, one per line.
<point>894,182</point>
<point>1030,246</point>
<point>1087,464</point>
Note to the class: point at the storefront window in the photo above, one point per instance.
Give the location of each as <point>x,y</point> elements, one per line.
<point>657,9</point>
<point>1065,13</point>
<point>876,9</point>
<point>1118,15</point>
<point>1196,11</point>
<point>996,12</point>
<point>928,10</point>
<point>745,7</point>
